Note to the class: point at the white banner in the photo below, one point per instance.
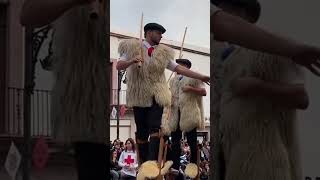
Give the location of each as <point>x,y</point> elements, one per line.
<point>114,113</point>
<point>13,161</point>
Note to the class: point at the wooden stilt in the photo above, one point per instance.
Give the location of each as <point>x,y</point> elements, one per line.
<point>137,151</point>
<point>160,155</point>
<point>198,163</point>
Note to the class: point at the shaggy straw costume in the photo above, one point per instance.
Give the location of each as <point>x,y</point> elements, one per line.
<point>217,70</point>
<point>78,47</point>
<point>79,97</point>
<point>259,138</point>
<point>186,115</point>
<point>149,80</point>
<point>189,104</point>
<point>148,93</point>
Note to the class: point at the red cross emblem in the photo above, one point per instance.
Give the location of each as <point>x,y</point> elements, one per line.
<point>129,160</point>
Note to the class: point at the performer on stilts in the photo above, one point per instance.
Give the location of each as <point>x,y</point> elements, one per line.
<point>148,92</point>
<point>260,97</point>
<point>186,115</point>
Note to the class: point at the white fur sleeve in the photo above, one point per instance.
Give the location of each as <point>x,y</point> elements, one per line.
<point>129,47</point>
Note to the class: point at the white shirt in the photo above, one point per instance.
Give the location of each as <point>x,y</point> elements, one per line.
<point>128,158</point>
<point>171,66</point>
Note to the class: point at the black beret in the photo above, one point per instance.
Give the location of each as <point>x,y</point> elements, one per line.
<point>154,26</point>
<point>184,61</point>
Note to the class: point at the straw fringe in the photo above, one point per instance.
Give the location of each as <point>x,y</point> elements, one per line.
<point>259,139</point>
<point>79,94</point>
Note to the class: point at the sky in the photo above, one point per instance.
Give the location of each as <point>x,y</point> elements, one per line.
<point>174,15</point>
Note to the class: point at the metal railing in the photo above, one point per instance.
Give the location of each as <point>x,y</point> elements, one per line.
<point>40,113</point>
<point>41,124</point>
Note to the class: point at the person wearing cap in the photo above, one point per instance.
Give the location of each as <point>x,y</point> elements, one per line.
<point>148,92</point>
<point>185,117</point>
<point>227,27</point>
<point>259,99</point>
<point>79,97</point>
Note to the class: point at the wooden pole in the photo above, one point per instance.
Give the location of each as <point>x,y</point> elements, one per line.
<point>198,163</point>
<point>139,65</point>
<point>180,54</point>
<point>160,154</point>
<point>141,41</point>
<point>184,36</point>
<point>165,154</point>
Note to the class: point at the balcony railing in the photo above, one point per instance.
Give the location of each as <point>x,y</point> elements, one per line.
<point>40,113</point>
<point>41,124</point>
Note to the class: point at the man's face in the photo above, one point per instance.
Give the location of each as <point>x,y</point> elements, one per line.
<point>155,36</point>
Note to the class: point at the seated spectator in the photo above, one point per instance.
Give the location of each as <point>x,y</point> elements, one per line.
<point>114,166</point>
<point>128,161</point>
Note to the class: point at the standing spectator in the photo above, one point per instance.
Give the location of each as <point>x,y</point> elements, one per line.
<point>128,161</point>
<point>186,147</point>
<point>208,145</point>
<point>203,156</point>
<point>206,149</point>
<point>204,170</point>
